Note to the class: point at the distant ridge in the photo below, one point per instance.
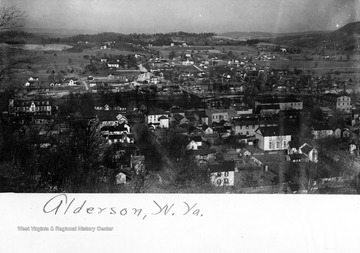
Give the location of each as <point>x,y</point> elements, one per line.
<point>57,32</point>
<point>265,35</point>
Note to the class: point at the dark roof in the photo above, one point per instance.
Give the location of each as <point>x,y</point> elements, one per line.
<point>177,110</point>
<point>178,117</point>
<point>297,156</point>
<point>157,111</point>
<point>277,100</point>
<point>205,151</point>
<point>306,149</point>
<point>274,131</point>
<point>197,138</point>
<point>269,107</point>
<point>322,127</point>
<point>108,115</point>
<point>116,136</point>
<point>163,117</point>
<point>114,128</point>
<point>225,166</point>
<point>222,130</point>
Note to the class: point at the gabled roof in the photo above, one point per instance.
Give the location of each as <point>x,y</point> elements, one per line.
<point>306,148</point>
<point>163,117</point>
<point>178,117</point>
<point>205,127</point>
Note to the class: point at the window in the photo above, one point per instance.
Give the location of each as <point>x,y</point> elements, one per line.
<point>284,144</point>
<point>226,174</point>
<point>270,145</point>
<point>226,181</point>
<point>277,144</point>
<point>218,182</point>
<point>219,174</point>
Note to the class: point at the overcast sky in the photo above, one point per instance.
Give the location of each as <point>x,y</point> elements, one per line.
<point>152,16</point>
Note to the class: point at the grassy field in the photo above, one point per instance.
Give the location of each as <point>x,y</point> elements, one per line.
<point>72,63</point>
<point>40,47</point>
<point>236,49</point>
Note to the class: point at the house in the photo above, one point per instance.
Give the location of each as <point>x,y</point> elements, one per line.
<point>115,130</point>
<point>337,133</point>
<point>110,118</point>
<point>118,138</point>
<point>113,65</point>
<point>158,117</point>
<point>22,106</point>
<point>321,131</point>
<point>248,126</point>
<point>71,81</point>
<point>336,102</point>
<point>164,122</point>
<point>203,155</point>
<point>217,115</point>
<point>194,143</point>
<point>272,138</point>
<point>179,119</point>
<point>242,110</point>
<point>310,152</point>
<point>33,78</point>
<point>268,110</point>
<point>201,117</point>
<point>144,77</point>
<point>207,130</point>
<point>286,103</point>
<point>297,158</point>
<point>354,146</point>
<point>42,119</point>
<point>176,110</point>
<point>222,174</point>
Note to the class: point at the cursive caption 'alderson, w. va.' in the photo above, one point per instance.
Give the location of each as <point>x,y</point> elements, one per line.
<point>62,204</point>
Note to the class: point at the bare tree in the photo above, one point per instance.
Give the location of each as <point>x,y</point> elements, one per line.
<point>11,59</point>
<point>10,18</point>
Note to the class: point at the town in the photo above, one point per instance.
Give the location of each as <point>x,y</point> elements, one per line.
<point>179,113</point>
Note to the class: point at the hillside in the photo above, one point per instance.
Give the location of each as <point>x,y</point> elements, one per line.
<point>345,38</point>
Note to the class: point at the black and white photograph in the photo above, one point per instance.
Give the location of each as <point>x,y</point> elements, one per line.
<point>230,99</point>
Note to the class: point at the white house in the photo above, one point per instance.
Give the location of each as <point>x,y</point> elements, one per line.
<point>164,122</point>
<point>158,117</point>
<point>272,138</point>
<point>222,174</point>
<point>343,104</point>
<point>113,65</point>
<point>310,152</point>
<point>217,115</point>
